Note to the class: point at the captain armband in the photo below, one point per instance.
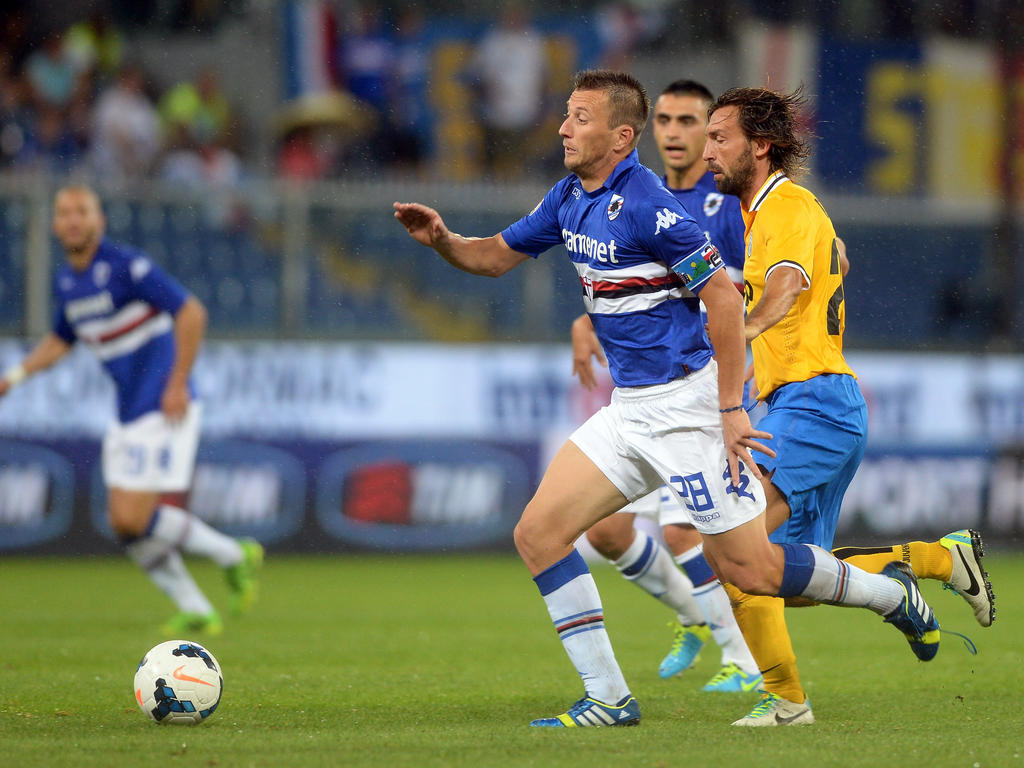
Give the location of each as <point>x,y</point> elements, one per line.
<point>698,266</point>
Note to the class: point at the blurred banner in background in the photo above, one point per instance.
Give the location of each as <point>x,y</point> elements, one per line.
<point>322,446</point>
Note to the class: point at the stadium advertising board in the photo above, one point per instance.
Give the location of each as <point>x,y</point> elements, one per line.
<point>36,495</point>
<point>407,446</point>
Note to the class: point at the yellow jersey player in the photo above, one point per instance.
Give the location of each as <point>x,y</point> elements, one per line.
<point>793,292</point>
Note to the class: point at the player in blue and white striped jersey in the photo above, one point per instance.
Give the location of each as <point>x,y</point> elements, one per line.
<point>146,331</point>
<point>675,416</point>
<point>635,249</point>
<point>702,608</point>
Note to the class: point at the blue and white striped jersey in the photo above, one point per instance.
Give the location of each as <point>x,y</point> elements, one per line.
<point>636,251</point>
<point>122,306</point>
<point>720,218</point>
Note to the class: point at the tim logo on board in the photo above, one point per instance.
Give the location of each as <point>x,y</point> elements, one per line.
<point>422,494</point>
<point>37,489</point>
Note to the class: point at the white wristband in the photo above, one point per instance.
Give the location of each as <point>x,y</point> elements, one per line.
<point>15,375</point>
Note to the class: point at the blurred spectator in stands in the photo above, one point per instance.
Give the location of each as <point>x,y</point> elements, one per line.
<point>511,67</point>
<point>50,144</point>
<point>126,128</point>
<point>366,57</point>
<point>305,155</point>
<point>14,34</point>
<point>96,45</point>
<point>205,164</point>
<point>52,73</point>
<point>15,117</point>
<point>626,26</point>
<point>408,111</point>
<point>199,108</point>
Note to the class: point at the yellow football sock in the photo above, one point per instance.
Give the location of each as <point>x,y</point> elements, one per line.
<point>762,621</point>
<point>929,559</point>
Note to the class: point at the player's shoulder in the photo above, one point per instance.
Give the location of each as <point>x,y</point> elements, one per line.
<point>643,190</point>
<point>784,200</point>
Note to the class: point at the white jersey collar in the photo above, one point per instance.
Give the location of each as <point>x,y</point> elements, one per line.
<point>770,183</point>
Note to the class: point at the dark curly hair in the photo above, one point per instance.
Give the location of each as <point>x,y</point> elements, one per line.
<point>772,116</point>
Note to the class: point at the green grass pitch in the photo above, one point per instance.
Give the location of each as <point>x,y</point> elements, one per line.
<point>442,661</point>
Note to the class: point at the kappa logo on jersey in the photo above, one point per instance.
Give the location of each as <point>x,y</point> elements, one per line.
<point>713,203</point>
<point>665,219</point>
<point>615,207</point>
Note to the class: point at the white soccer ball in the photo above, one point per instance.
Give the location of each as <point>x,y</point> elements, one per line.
<point>178,682</point>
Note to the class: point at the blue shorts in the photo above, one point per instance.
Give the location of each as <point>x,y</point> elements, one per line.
<point>820,429</point>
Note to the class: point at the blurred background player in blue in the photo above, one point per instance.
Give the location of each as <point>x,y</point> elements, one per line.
<point>146,330</point>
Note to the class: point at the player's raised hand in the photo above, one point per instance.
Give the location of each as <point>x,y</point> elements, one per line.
<point>738,434</point>
<point>585,346</point>
<point>424,224</point>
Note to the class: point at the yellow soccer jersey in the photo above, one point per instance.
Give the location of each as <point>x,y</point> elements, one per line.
<point>786,225</point>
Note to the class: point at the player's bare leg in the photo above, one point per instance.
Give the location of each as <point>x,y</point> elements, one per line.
<point>573,495</point>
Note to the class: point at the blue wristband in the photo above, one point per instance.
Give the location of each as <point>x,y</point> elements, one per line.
<point>730,410</point>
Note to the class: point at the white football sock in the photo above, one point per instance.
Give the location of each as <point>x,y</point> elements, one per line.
<point>649,565</point>
<point>574,605</point>
<point>811,571</point>
<point>187,532</point>
<point>167,570</point>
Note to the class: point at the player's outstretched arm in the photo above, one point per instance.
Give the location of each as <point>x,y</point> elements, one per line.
<point>725,325</point>
<point>585,346</point>
<point>47,352</point>
<point>487,256</point>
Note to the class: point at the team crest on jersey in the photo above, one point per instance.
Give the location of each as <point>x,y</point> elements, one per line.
<point>588,287</point>
<point>615,206</point>
<point>101,273</point>
<point>713,203</point>
<point>577,192</point>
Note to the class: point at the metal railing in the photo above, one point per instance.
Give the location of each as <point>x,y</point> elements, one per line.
<point>272,260</point>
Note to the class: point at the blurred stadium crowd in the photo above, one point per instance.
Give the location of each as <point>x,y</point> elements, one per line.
<point>189,115</point>
<point>76,93</point>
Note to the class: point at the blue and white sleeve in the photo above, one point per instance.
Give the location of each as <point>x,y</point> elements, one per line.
<point>155,286</point>
<point>538,230</point>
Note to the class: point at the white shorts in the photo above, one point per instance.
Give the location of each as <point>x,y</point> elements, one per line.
<point>662,506</point>
<point>150,454</point>
<point>671,434</point>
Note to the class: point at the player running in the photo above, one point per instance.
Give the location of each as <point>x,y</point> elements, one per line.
<point>694,593</point>
<point>793,290</point>
<point>676,416</point>
<point>146,331</point>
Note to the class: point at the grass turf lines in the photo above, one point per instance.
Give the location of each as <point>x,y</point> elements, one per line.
<point>442,661</point>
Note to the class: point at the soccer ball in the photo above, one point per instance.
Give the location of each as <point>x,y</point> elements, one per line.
<point>178,682</point>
